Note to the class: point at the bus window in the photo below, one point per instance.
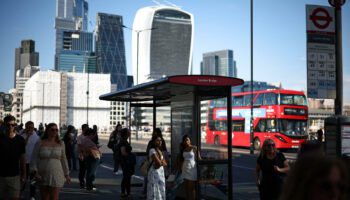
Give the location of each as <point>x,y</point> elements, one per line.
<point>293,99</point>
<point>247,99</point>
<point>270,99</point>
<point>220,126</point>
<point>292,127</point>
<point>261,127</point>
<point>237,101</point>
<point>259,101</point>
<point>271,125</point>
<point>238,125</point>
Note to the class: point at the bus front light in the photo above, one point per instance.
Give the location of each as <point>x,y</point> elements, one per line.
<point>280,138</point>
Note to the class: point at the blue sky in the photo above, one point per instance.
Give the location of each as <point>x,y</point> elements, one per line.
<point>279,34</point>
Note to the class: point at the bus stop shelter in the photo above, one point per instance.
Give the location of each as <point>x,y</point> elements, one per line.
<point>188,97</point>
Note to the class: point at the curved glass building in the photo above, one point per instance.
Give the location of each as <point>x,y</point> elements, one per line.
<point>162,43</point>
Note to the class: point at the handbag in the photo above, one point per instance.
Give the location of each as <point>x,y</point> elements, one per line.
<point>145,166</point>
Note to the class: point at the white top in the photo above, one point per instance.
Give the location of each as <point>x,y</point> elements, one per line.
<point>30,143</point>
<point>189,155</point>
<point>151,152</point>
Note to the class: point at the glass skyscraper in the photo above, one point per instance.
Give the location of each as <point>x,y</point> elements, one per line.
<point>162,43</point>
<point>219,63</point>
<point>72,39</point>
<point>110,49</point>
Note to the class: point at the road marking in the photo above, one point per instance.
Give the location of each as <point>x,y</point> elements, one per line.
<point>244,167</point>
<point>111,169</point>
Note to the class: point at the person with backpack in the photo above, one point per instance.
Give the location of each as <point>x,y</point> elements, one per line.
<point>127,161</point>
<point>113,142</point>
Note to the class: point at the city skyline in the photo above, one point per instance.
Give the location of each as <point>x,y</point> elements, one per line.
<point>279,42</point>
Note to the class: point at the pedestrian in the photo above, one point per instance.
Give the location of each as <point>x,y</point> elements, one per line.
<point>315,177</point>
<point>49,163</point>
<point>189,154</point>
<point>156,132</point>
<point>31,138</point>
<point>320,136</point>
<point>113,142</point>
<point>271,169</point>
<point>95,138</point>
<point>13,165</point>
<point>92,156</point>
<point>311,147</point>
<point>81,153</point>
<point>68,139</point>
<point>41,129</point>
<point>124,149</point>
<point>2,127</point>
<point>156,176</point>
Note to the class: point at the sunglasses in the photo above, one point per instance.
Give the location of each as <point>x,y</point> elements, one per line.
<point>54,129</point>
<point>12,125</point>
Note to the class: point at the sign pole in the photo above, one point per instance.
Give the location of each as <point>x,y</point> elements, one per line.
<point>251,80</point>
<point>338,62</point>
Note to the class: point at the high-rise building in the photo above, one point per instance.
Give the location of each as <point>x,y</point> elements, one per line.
<point>72,37</point>
<point>162,43</point>
<point>219,63</point>
<point>25,55</point>
<point>110,49</point>
<point>76,53</point>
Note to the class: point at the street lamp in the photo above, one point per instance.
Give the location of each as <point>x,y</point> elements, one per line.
<point>137,48</point>
<point>137,68</point>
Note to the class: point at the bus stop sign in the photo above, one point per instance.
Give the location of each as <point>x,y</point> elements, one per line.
<point>336,3</point>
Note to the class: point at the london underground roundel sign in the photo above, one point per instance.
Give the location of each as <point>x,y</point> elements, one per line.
<point>321,18</point>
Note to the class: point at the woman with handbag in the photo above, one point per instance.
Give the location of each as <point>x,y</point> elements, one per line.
<point>156,177</point>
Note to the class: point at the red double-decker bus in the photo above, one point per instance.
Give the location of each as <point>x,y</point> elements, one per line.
<point>278,114</point>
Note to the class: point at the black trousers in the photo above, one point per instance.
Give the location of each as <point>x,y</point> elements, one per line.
<point>126,183</point>
<point>82,172</point>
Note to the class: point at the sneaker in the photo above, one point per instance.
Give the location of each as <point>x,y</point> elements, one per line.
<point>32,198</point>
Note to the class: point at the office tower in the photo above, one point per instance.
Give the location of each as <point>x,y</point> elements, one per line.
<point>73,42</point>
<point>25,55</point>
<point>162,43</point>
<point>219,63</point>
<point>110,49</point>
<point>76,54</point>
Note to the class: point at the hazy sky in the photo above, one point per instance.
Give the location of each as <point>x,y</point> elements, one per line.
<point>279,34</point>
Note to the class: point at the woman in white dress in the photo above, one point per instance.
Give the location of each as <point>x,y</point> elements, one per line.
<point>49,163</point>
<point>189,166</point>
<point>156,178</point>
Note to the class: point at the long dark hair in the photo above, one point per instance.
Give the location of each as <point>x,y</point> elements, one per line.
<point>46,133</point>
<point>183,146</point>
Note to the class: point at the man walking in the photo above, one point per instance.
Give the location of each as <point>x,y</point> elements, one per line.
<point>30,138</point>
<point>12,167</point>
<point>82,153</point>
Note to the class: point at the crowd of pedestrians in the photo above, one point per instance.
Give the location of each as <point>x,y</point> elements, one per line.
<point>41,159</point>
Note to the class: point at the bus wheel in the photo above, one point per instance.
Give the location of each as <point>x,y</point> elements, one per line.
<point>216,140</point>
<point>256,144</point>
